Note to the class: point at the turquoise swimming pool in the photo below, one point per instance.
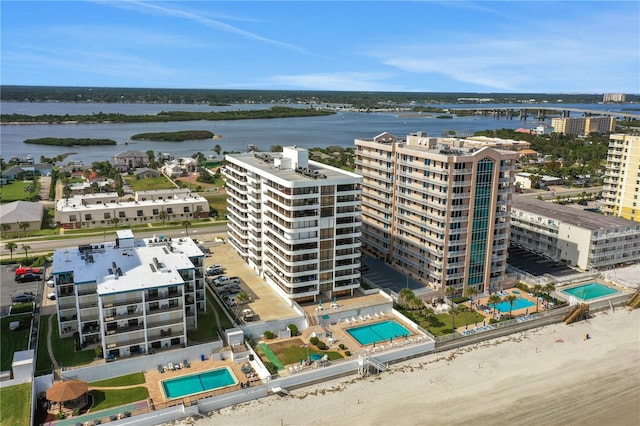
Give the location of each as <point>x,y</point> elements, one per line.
<point>200,382</point>
<point>519,303</point>
<point>590,291</point>
<point>378,332</point>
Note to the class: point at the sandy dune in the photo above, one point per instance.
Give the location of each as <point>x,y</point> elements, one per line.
<point>545,376</point>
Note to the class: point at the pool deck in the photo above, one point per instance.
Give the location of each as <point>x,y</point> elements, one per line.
<point>154,378</point>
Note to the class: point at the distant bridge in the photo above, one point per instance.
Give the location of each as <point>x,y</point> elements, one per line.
<point>539,111</point>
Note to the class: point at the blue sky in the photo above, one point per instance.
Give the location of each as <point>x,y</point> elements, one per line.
<point>419,46</point>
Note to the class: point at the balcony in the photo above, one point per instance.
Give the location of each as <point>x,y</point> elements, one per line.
<point>112,304</point>
<point>163,309</point>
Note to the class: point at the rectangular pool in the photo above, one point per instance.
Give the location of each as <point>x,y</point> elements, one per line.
<point>590,291</point>
<point>378,332</point>
<point>199,382</point>
<point>519,303</point>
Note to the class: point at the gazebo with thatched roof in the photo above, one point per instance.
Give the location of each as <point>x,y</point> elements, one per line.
<point>71,392</point>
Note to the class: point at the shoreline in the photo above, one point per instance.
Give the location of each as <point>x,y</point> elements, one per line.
<point>549,375</point>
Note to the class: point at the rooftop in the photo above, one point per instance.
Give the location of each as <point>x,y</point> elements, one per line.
<point>148,263</point>
<point>578,217</point>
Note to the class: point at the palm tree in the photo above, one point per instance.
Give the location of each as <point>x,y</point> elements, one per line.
<point>536,290</point>
<point>163,216</point>
<point>11,247</point>
<point>451,291</point>
<point>471,292</point>
<point>494,299</point>
<point>453,312</point>
<point>186,224</point>
<point>217,149</point>
<point>26,249</point>
<point>5,228</point>
<point>405,296</point>
<point>115,221</point>
<point>243,298</point>
<point>510,298</point>
<point>24,226</point>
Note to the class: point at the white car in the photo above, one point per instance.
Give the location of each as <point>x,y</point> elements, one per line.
<point>51,283</point>
<point>51,296</point>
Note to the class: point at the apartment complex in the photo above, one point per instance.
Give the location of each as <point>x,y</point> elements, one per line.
<point>621,189</point>
<point>587,240</point>
<point>100,210</point>
<point>437,211</point>
<point>131,296</point>
<point>295,222</point>
<point>614,97</point>
<point>583,125</point>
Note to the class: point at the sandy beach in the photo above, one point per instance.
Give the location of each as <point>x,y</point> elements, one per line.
<point>546,376</point>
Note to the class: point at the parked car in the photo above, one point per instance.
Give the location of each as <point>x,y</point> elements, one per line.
<point>51,296</point>
<point>26,278</point>
<point>215,270</point>
<point>51,283</point>
<point>26,270</point>
<point>247,314</point>
<point>22,298</point>
<point>226,280</point>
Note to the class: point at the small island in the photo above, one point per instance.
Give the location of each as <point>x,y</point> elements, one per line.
<point>70,141</point>
<point>186,135</point>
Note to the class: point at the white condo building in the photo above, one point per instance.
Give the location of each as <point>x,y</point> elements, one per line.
<point>296,222</point>
<point>131,296</point>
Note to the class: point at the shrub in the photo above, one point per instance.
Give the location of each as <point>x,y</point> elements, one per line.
<point>458,300</point>
<point>493,321</point>
<point>348,353</point>
<point>269,334</point>
<point>271,367</point>
<point>294,329</point>
<point>314,340</point>
<point>99,352</point>
<point>342,346</point>
<point>322,345</point>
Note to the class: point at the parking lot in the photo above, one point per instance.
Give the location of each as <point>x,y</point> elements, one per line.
<point>537,265</point>
<point>385,277</point>
<point>9,287</point>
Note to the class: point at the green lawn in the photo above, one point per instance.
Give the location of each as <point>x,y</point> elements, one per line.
<point>21,308</point>
<point>43,362</point>
<point>64,349</point>
<point>290,351</point>
<point>106,399</point>
<point>207,326</point>
<point>13,341</point>
<point>14,191</point>
<point>442,324</point>
<point>15,404</point>
<point>128,380</point>
<point>218,202</point>
<point>148,184</point>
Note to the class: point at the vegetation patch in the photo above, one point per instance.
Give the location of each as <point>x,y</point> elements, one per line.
<point>13,340</point>
<point>149,184</point>
<point>70,141</point>
<point>15,404</point>
<point>186,135</point>
<point>103,399</point>
<point>43,362</point>
<point>14,191</point>
<point>292,351</point>
<point>127,380</point>
<point>64,349</point>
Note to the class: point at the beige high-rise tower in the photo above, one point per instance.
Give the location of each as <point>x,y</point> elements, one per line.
<point>621,189</point>
<point>438,211</point>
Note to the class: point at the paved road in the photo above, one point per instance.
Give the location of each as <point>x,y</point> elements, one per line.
<point>203,233</point>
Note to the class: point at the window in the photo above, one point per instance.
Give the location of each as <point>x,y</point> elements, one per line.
<point>107,215</point>
<point>121,214</point>
<point>87,216</point>
<point>72,218</point>
<point>156,211</point>
<point>169,210</point>
<point>186,209</point>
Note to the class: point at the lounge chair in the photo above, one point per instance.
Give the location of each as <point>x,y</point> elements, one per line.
<point>368,316</point>
<point>346,321</point>
<point>186,364</point>
<point>354,319</point>
<point>376,315</point>
<point>170,366</point>
<point>160,368</point>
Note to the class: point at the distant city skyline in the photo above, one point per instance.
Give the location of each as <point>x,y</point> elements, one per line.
<point>421,46</point>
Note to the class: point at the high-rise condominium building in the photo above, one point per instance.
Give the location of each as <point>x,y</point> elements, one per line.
<point>583,125</point>
<point>437,211</point>
<point>130,296</point>
<point>295,222</point>
<point>614,97</point>
<point>622,177</point>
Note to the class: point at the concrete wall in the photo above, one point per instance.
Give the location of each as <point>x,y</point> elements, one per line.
<point>257,329</point>
<point>154,418</point>
<point>137,364</point>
